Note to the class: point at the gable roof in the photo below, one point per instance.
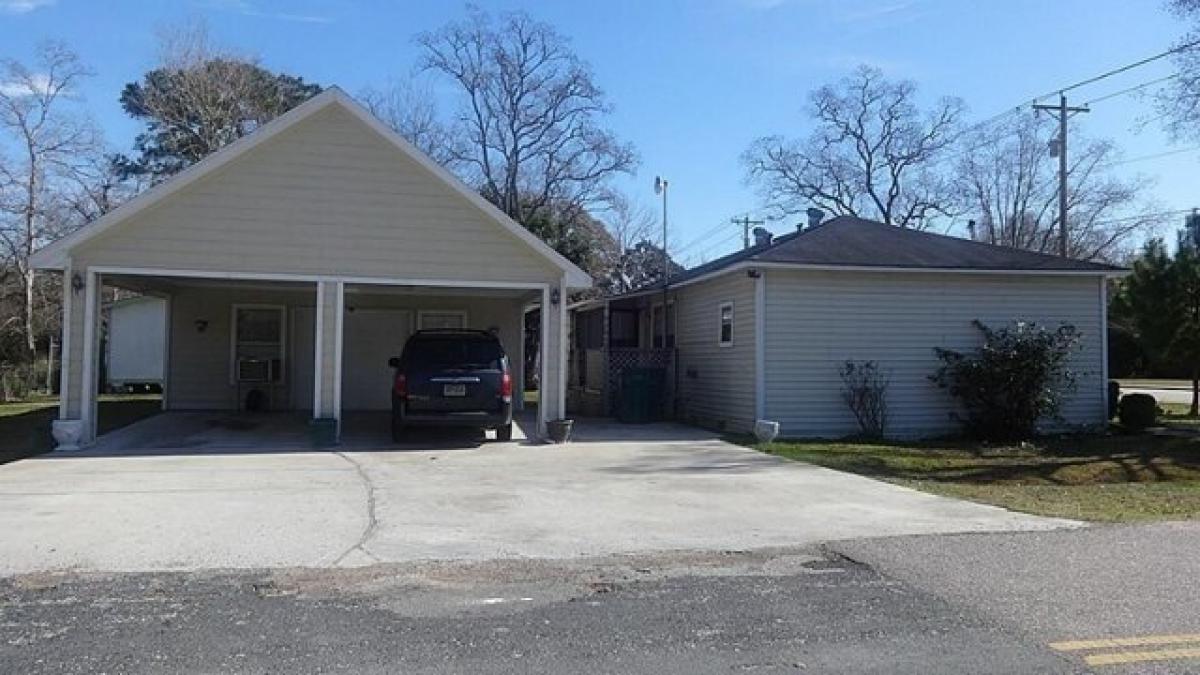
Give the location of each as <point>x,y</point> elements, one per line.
<point>54,255</point>
<point>855,243</point>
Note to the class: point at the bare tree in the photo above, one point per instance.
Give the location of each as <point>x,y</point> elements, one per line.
<point>48,139</point>
<point>199,99</point>
<point>530,119</point>
<point>1008,181</point>
<point>873,154</point>
<point>629,224</point>
<point>1179,101</point>
<point>408,108</point>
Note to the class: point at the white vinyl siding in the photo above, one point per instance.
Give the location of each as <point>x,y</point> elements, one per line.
<point>325,197</point>
<point>716,383</point>
<point>815,321</point>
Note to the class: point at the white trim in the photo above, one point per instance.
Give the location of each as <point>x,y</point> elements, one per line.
<point>721,324</point>
<point>1104,345</point>
<point>422,313</point>
<point>168,324</point>
<point>64,356</point>
<point>311,278</point>
<point>55,254</point>
<point>87,383</point>
<point>544,378</point>
<point>760,346</point>
<point>339,315</point>
<point>233,340</point>
<point>318,349</point>
<point>563,352</point>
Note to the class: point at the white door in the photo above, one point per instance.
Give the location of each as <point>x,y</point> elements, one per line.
<point>304,327</point>
<point>370,338</point>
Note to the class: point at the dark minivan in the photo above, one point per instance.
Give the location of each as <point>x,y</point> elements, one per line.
<point>452,378</point>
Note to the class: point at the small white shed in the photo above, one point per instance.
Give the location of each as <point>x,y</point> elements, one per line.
<point>136,343</point>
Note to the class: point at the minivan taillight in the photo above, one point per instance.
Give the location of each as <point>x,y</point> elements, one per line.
<point>506,386</point>
<point>400,388</point>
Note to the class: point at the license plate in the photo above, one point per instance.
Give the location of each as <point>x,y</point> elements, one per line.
<point>454,390</point>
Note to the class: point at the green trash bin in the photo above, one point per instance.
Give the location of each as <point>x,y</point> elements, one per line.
<point>641,395</point>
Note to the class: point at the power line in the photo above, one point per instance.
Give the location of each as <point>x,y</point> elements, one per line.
<point>1159,214</point>
<point>1122,69</point>
<point>708,233</point>
<point>1132,89</point>
<point>1143,158</point>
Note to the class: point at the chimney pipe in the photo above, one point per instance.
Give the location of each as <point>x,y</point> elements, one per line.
<point>971,228</point>
<point>762,236</point>
<point>815,216</point>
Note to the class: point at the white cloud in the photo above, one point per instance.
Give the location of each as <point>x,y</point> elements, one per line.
<point>23,6</point>
<point>37,84</point>
<point>247,8</point>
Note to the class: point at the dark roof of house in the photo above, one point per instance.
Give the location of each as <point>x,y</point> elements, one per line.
<point>846,241</point>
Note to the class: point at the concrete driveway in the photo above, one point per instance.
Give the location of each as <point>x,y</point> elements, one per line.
<point>199,497</point>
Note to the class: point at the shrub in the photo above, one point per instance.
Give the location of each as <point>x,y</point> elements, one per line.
<point>1137,411</point>
<point>865,393</point>
<point>1018,377</point>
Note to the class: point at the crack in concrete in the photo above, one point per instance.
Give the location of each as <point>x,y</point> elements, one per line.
<point>372,520</point>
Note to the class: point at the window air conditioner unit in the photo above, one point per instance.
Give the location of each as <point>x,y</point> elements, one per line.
<point>254,370</point>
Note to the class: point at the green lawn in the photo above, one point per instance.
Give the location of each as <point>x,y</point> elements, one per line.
<point>1113,478</point>
<point>25,426</point>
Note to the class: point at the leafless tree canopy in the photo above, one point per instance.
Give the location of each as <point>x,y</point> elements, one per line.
<point>1008,182</point>
<point>873,153</point>
<point>409,109</point>
<point>530,119</point>
<point>46,145</point>
<point>1179,102</point>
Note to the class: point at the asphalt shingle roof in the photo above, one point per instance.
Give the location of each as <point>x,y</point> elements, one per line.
<point>847,241</point>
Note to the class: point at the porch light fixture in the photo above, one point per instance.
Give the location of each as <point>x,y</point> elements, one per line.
<point>555,297</point>
<point>201,325</point>
<point>76,282</point>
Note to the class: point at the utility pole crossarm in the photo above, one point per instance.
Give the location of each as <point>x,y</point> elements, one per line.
<point>1063,111</point>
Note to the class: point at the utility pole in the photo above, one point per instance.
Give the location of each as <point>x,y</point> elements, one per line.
<point>745,222</point>
<point>1063,111</point>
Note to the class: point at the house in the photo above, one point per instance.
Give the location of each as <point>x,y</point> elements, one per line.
<point>761,333</point>
<point>137,328</point>
<point>295,261</point>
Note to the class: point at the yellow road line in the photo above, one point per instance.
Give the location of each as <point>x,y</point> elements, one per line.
<point>1138,657</point>
<point>1113,643</point>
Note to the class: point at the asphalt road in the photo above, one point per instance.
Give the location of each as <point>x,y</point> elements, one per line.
<point>752,614</point>
<point>982,603</point>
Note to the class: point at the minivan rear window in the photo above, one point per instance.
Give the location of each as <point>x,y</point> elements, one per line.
<point>454,352</point>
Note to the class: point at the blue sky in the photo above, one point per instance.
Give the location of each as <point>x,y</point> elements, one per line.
<point>692,82</point>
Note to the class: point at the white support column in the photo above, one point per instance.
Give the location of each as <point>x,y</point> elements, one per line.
<point>64,356</point>
<point>339,315</point>
<point>563,348</point>
<point>544,399</point>
<point>168,323</point>
<point>91,349</point>
<point>318,349</point>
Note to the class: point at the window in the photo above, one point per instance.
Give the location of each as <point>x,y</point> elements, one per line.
<point>725,332</point>
<point>656,320</point>
<point>258,343</point>
<point>433,320</point>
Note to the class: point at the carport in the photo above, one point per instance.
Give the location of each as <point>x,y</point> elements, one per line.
<point>295,262</point>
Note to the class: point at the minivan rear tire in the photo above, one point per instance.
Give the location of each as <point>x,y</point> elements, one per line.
<point>504,433</point>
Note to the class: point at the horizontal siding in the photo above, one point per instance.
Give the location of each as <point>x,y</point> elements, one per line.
<point>328,196</point>
<point>815,321</point>
<point>716,384</point>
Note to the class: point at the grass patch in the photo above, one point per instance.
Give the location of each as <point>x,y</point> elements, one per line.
<point>1111,478</point>
<point>1177,415</point>
<point>25,425</point>
<point>531,396</point>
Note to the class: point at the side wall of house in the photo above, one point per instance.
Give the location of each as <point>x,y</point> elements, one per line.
<point>716,383</point>
<point>815,321</point>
